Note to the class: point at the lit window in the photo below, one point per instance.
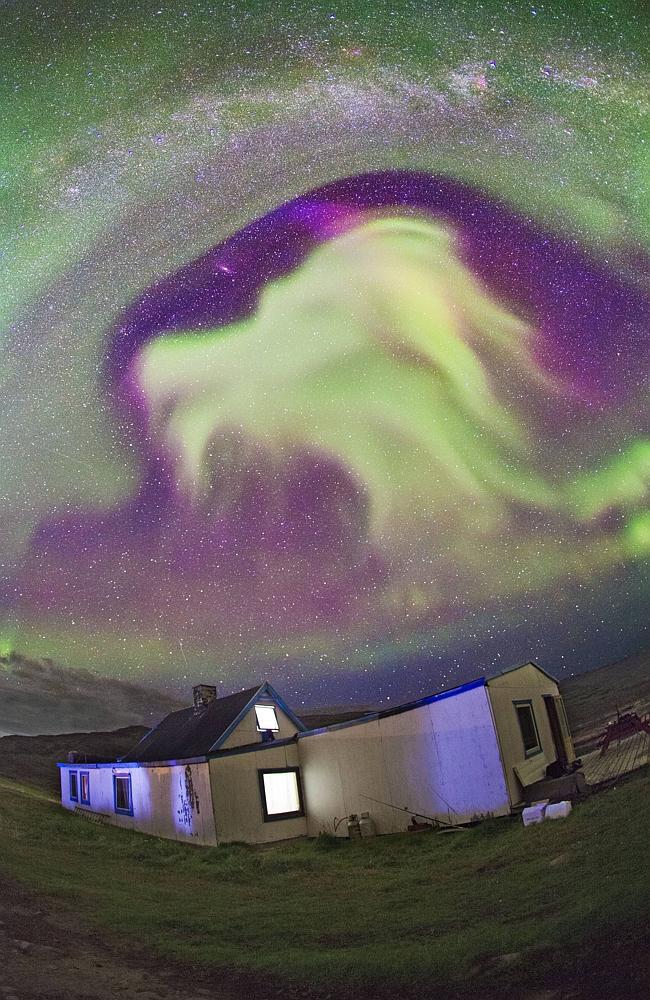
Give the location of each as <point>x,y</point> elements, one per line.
<point>528,727</point>
<point>84,787</point>
<point>74,788</point>
<point>122,794</point>
<point>281,793</point>
<point>266,718</point>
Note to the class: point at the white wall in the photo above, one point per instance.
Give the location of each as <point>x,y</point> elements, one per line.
<point>237,800</point>
<point>173,802</point>
<point>526,683</point>
<point>440,760</point>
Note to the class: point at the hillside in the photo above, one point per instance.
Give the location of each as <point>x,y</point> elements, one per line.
<point>41,696</point>
<point>550,911</point>
<point>591,699</point>
<point>32,759</point>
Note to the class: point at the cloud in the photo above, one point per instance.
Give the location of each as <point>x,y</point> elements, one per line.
<point>41,697</point>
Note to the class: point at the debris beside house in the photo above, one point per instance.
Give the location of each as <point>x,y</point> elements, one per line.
<point>623,726</point>
<point>540,811</point>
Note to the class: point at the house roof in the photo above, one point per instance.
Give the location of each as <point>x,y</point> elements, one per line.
<point>186,733</point>
<point>520,666</point>
<point>419,702</point>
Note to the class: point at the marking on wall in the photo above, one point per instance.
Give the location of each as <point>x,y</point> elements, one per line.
<point>188,798</point>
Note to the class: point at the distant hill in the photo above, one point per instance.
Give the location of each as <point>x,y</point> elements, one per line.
<point>41,696</point>
<point>331,716</point>
<point>591,699</point>
<point>33,759</point>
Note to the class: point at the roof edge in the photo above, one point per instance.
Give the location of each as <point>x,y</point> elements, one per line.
<point>117,764</point>
<point>252,748</point>
<point>398,709</point>
<point>297,721</point>
<point>518,666</point>
<point>264,688</point>
<point>184,761</point>
<point>233,725</point>
<point>148,733</point>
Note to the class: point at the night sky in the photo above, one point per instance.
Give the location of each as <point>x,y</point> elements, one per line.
<point>325,341</point>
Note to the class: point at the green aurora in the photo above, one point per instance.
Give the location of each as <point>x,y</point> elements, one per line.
<point>469,495</point>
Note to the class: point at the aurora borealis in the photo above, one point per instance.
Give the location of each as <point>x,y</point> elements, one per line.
<point>326,342</point>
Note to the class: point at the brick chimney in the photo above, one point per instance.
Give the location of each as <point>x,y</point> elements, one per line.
<point>203,695</point>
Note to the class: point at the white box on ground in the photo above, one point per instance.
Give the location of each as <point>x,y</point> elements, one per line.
<point>535,813</point>
<point>559,810</point>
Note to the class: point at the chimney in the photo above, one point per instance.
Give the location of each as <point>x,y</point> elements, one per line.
<point>203,695</point>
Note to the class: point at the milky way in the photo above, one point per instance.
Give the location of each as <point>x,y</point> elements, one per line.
<point>326,351</point>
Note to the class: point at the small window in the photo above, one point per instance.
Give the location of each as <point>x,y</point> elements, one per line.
<point>528,727</point>
<point>266,718</point>
<point>74,787</point>
<point>281,793</point>
<point>84,787</point>
<point>122,794</point>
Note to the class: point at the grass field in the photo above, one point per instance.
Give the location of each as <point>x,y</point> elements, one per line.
<point>494,904</point>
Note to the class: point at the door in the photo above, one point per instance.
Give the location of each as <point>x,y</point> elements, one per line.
<point>556,729</point>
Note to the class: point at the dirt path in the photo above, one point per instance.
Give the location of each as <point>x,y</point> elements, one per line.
<point>44,954</point>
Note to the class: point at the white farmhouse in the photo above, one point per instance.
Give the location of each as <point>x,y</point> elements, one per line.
<point>246,768</point>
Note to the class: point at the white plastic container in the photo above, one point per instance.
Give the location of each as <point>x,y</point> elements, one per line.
<point>535,813</point>
<point>559,810</point>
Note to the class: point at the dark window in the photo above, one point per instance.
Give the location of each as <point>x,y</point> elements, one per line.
<point>122,794</point>
<point>84,787</point>
<point>528,727</point>
<point>281,793</point>
<point>74,788</point>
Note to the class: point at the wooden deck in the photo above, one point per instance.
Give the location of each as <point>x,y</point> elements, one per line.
<point>620,759</point>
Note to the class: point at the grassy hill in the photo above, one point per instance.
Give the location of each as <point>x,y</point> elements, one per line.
<point>32,759</point>
<point>591,699</point>
<point>494,910</point>
<point>41,696</point>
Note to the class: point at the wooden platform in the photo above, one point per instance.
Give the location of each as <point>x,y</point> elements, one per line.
<point>620,758</point>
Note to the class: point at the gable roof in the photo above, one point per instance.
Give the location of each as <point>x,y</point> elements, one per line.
<point>185,734</point>
<point>519,666</point>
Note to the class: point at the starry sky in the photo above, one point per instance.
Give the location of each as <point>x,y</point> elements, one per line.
<point>324,341</point>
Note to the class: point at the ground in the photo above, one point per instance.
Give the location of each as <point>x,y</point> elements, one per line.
<point>555,912</point>
<point>46,955</point>
<point>593,698</point>
<point>46,952</point>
